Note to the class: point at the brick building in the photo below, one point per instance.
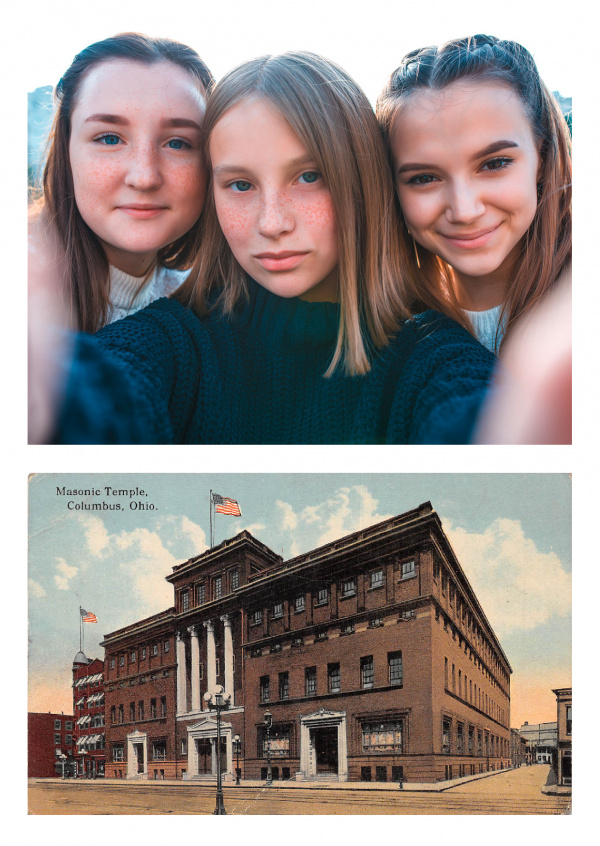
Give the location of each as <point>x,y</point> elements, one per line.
<point>564,719</point>
<point>372,653</point>
<point>88,708</point>
<point>50,744</point>
<point>541,740</point>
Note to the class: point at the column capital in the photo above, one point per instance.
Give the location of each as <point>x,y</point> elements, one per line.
<point>209,625</point>
<point>180,634</point>
<point>193,630</point>
<point>226,619</point>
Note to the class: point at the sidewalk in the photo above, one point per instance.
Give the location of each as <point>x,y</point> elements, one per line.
<point>390,787</point>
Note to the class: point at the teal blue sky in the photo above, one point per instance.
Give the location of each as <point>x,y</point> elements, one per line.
<point>511,532</point>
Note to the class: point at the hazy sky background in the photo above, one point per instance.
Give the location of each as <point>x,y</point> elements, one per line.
<point>368,39</point>
<point>511,533</point>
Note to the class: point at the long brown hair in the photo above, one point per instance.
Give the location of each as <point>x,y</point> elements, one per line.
<point>335,122</point>
<point>88,269</point>
<point>546,246</point>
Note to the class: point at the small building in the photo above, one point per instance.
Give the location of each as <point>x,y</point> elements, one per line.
<point>519,749</point>
<point>564,716</point>
<point>88,708</point>
<point>50,745</point>
<point>541,738</point>
<point>372,655</point>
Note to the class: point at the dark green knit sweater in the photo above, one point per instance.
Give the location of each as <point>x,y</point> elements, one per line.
<point>164,376</point>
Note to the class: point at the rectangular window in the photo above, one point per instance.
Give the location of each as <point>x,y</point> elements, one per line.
<point>112,663</point>
<point>167,645</point>
<point>69,740</point>
<point>459,738</point>
<point>377,578</point>
<point>159,750</point>
<point>56,725</point>
<point>218,587</point>
<point>113,714</point>
<point>121,714</point>
<point>257,617</point>
<point>132,712</point>
<point>299,603</point>
<point>347,628</point>
<point>185,600</point>
<point>322,596</point>
<point>121,660</point>
<point>284,685</point>
<point>298,641</point>
<point>140,710</point>
<point>275,647</point>
<point>201,593</point>
<point>144,650</point>
<point>235,579</point>
<point>395,673</point>
<point>348,587</point>
<point>153,709</point>
<point>279,742</point>
<point>375,622</point>
<point>118,752</point>
<point>321,635</point>
<point>569,709</point>
<point>382,736</point>
<point>132,658</point>
<point>470,741</point>
<point>408,569</point>
<point>277,610</point>
<point>334,684</point>
<point>264,689</point>
<point>57,739</point>
<point>310,681</point>
<point>367,672</point>
<point>163,706</point>
<point>446,727</point>
<point>154,650</point>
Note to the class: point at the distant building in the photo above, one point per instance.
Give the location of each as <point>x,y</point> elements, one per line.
<point>542,738</point>
<point>519,749</point>
<point>372,653</point>
<point>564,716</point>
<point>50,745</point>
<point>88,708</point>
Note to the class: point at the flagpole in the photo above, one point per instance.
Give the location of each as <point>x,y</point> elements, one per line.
<point>80,631</point>
<point>210,518</point>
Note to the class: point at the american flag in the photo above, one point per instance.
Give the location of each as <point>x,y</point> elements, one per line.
<point>224,505</point>
<point>87,616</point>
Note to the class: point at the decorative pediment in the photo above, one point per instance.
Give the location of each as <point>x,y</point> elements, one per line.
<point>324,714</point>
<point>207,727</point>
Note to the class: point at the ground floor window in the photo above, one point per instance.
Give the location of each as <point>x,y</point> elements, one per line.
<point>280,741</point>
<point>365,773</point>
<point>118,752</point>
<point>159,750</point>
<point>382,736</point>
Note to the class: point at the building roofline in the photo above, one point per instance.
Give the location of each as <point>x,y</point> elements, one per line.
<point>148,623</point>
<point>241,540</point>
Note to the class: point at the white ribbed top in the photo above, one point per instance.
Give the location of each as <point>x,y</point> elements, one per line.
<point>485,326</point>
<point>123,297</point>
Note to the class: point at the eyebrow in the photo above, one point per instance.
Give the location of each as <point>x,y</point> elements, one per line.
<point>495,147</point>
<point>291,165</point>
<point>119,120</point>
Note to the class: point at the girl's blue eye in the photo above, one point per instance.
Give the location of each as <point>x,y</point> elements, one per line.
<point>109,139</point>
<point>178,144</point>
<point>421,179</point>
<point>310,177</point>
<point>241,186</point>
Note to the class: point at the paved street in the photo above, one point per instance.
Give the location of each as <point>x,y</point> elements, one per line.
<point>511,792</point>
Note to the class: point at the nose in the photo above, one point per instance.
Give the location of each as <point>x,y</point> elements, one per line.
<point>144,172</point>
<point>464,203</point>
<point>275,216</point>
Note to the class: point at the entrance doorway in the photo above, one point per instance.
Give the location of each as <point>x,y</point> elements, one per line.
<point>325,742</point>
<point>138,749</point>
<point>204,752</point>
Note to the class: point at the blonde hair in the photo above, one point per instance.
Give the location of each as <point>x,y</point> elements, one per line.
<point>546,247</point>
<point>335,122</point>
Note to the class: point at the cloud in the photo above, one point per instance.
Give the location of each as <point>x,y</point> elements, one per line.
<point>147,562</point>
<point>289,518</point>
<point>519,586</point>
<point>348,510</point>
<point>194,533</point>
<point>65,574</point>
<point>96,535</point>
<point>36,590</point>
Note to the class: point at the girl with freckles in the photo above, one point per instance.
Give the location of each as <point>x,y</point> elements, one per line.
<point>480,153</point>
<point>124,182</point>
<point>293,325</point>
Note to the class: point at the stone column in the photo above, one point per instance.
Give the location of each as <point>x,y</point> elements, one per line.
<point>181,680</point>
<point>195,648</point>
<point>342,751</point>
<point>211,657</point>
<point>228,653</point>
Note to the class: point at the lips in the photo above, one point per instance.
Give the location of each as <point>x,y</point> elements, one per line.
<point>284,260</point>
<point>471,240</point>
<point>142,211</point>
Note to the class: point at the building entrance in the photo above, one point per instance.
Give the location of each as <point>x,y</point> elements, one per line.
<point>138,749</point>
<point>204,752</point>
<point>325,742</point>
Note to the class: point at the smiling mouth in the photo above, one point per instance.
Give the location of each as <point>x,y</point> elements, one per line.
<point>285,260</point>
<point>471,240</point>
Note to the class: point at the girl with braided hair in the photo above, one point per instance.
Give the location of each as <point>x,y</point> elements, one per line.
<point>480,153</point>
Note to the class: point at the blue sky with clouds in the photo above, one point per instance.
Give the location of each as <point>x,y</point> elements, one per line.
<point>511,532</point>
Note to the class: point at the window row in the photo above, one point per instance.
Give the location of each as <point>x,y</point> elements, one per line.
<point>467,690</point>
<point>395,677</point>
<point>158,751</point>
<point>471,655</point>
<point>134,655</point>
<point>137,712</point>
<point>470,740</point>
<point>347,588</point>
<point>209,590</point>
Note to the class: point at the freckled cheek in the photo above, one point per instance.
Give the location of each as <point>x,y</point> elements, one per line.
<point>237,223</point>
<point>93,180</point>
<point>188,187</point>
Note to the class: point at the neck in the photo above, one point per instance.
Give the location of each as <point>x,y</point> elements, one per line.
<point>133,264</point>
<point>480,293</point>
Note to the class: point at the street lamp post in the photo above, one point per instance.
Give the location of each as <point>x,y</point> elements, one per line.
<point>63,759</point>
<point>268,718</point>
<point>219,702</point>
<point>237,745</point>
